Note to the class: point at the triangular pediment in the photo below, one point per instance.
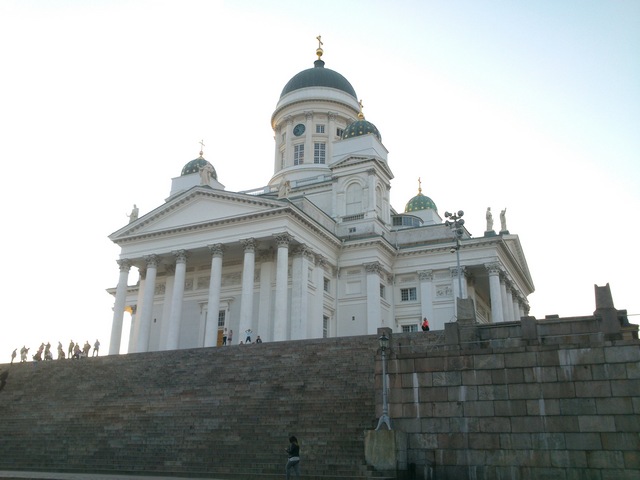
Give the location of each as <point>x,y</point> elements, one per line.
<point>515,247</point>
<point>196,207</point>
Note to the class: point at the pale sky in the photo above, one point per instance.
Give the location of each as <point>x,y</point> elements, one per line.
<point>530,106</point>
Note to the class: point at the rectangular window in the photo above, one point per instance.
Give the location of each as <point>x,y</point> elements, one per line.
<point>298,154</point>
<point>281,159</point>
<point>339,132</point>
<point>409,328</point>
<point>325,326</point>
<point>319,128</point>
<point>381,291</point>
<point>221,318</point>
<point>326,284</point>
<point>284,137</point>
<point>408,294</point>
<point>319,150</point>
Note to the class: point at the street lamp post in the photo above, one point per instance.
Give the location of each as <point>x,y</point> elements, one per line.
<point>455,221</point>
<point>384,419</point>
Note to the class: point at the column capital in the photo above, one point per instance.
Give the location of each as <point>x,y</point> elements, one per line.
<point>321,260</point>
<point>216,249</point>
<point>303,251</point>
<point>181,256</point>
<point>125,264</point>
<point>425,275</point>
<point>152,260</point>
<point>283,239</point>
<point>373,267</point>
<point>454,271</point>
<point>493,268</point>
<point>249,244</point>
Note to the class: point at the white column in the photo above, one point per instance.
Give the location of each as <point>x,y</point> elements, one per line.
<point>457,283</point>
<point>213,306</point>
<point>426,296</point>
<point>147,303</point>
<point>516,305</point>
<point>308,138</point>
<point>119,306</point>
<point>265,304</point>
<point>371,185</point>
<point>314,329</point>
<point>503,296</point>
<point>494,291</point>
<point>374,316</point>
<point>330,136</point>
<point>248,272</point>
<point>509,312</point>
<point>280,320</point>
<point>288,152</point>
<point>175,318</point>
<point>300,293</point>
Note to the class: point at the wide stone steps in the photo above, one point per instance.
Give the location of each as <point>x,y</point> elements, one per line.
<point>216,412</point>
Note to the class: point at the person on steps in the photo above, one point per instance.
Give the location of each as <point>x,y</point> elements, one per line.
<point>293,464</point>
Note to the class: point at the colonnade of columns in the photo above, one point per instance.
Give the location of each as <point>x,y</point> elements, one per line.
<point>280,327</point>
<point>507,304</point>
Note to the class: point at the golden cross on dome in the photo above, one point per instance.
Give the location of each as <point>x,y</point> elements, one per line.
<point>319,49</point>
<point>361,115</point>
<point>201,147</point>
<point>419,185</point>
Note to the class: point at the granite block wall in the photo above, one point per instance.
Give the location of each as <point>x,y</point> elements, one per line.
<point>563,403</point>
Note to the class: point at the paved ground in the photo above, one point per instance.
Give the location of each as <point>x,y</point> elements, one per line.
<point>82,476</point>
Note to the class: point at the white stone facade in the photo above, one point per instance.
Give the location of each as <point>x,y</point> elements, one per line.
<point>317,252</point>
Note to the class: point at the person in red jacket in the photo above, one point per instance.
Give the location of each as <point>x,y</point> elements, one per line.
<point>425,325</point>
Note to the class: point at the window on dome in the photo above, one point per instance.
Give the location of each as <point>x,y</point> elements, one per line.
<point>298,154</point>
<point>319,152</point>
<point>339,132</point>
<point>284,137</point>
<point>282,159</point>
<point>319,128</point>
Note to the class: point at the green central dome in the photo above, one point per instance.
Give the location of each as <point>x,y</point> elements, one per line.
<point>420,202</point>
<point>318,76</point>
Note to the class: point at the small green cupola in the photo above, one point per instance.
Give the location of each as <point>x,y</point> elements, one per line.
<point>420,202</point>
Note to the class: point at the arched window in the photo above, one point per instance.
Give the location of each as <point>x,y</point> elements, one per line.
<point>354,199</point>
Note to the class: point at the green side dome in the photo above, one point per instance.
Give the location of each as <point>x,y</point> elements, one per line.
<point>420,202</point>
<point>359,128</point>
<point>318,76</point>
<point>194,166</point>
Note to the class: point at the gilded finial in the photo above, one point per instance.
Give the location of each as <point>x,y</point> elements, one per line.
<point>201,148</point>
<point>319,51</point>
<point>360,114</point>
<point>419,186</point>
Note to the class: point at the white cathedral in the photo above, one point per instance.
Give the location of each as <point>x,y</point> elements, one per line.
<point>318,252</point>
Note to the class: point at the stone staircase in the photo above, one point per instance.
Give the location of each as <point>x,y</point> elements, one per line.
<point>222,413</point>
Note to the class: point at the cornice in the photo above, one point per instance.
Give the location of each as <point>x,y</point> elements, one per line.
<point>289,210</point>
